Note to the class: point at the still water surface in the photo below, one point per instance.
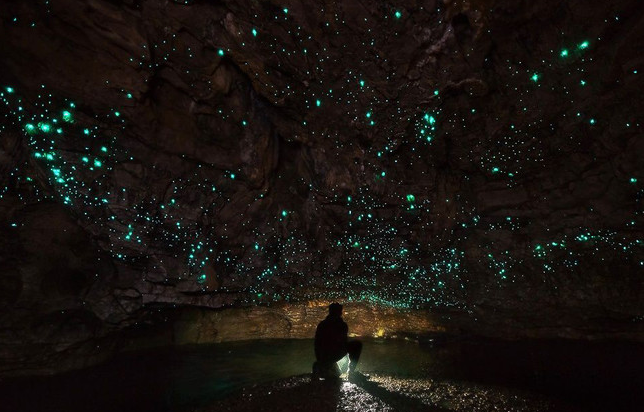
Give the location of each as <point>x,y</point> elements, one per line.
<point>589,376</point>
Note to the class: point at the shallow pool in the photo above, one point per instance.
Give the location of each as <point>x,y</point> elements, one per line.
<point>590,376</point>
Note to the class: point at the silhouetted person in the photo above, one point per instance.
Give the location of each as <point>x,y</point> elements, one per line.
<point>332,344</point>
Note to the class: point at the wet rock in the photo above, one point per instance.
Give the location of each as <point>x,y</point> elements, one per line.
<point>382,393</point>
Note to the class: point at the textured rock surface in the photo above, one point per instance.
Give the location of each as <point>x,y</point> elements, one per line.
<point>298,321</point>
<point>479,159</point>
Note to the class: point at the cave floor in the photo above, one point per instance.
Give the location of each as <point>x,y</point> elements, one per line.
<point>378,392</point>
<point>399,375</point>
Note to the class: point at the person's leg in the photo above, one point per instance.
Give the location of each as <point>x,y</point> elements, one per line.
<point>327,366</point>
<point>354,348</point>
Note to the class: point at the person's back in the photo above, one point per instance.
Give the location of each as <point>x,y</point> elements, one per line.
<point>331,345</point>
<point>331,339</point>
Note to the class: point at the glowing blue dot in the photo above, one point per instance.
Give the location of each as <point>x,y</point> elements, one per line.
<point>398,14</point>
<point>429,119</point>
<point>220,52</point>
<point>254,33</point>
<point>633,180</point>
<point>285,10</point>
<point>318,103</point>
<point>9,89</point>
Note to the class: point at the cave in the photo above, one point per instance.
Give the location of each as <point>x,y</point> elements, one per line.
<point>187,185</point>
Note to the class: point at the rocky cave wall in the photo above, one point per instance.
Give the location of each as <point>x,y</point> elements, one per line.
<point>475,166</point>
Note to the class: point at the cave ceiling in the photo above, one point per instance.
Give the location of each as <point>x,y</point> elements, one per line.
<point>414,154</point>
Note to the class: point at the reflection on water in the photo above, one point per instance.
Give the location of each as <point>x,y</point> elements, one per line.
<point>594,376</point>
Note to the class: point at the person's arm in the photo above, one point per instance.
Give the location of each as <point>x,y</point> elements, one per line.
<point>316,343</point>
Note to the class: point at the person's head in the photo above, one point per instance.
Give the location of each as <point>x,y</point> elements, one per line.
<point>335,309</point>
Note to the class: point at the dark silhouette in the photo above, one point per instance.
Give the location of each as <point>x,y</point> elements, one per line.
<point>332,344</point>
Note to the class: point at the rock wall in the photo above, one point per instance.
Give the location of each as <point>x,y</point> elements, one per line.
<point>297,322</point>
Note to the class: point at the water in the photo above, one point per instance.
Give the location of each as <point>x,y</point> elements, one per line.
<point>590,376</point>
